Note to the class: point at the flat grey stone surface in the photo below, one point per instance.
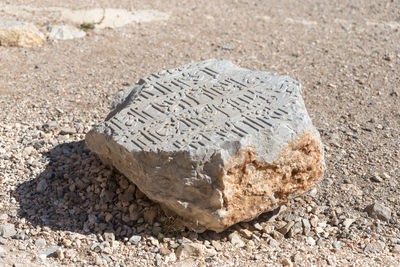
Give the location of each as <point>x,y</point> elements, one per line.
<point>209,140</point>
<point>65,32</point>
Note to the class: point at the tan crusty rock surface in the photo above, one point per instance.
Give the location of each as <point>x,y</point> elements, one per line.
<point>251,187</point>
<point>20,34</point>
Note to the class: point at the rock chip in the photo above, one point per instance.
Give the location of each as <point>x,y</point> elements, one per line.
<point>215,143</point>
<point>20,34</point>
<point>41,186</point>
<point>7,230</point>
<point>48,252</point>
<point>40,243</point>
<point>187,250</point>
<point>135,239</point>
<point>236,240</point>
<point>65,32</point>
<point>379,211</point>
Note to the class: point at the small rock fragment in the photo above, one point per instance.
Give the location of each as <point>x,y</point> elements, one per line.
<point>236,240</point>
<point>295,229</point>
<point>60,253</point>
<point>7,230</point>
<point>336,245</point>
<point>347,222</point>
<point>246,233</point>
<point>187,250</point>
<point>40,243</point>
<point>285,229</point>
<point>377,178</point>
<point>164,251</point>
<point>135,239</point>
<point>396,249</point>
<point>109,236</point>
<point>311,241</point>
<point>67,130</point>
<point>287,262</point>
<point>217,245</point>
<point>379,211</point>
<point>48,252</point>
<point>306,226</point>
<point>277,236</point>
<point>65,32</point>
<point>41,186</point>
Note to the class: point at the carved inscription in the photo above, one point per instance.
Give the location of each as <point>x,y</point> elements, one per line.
<point>198,104</point>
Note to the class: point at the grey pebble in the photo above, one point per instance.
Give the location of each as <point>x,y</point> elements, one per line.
<point>135,239</point>
<point>336,244</point>
<point>41,186</point>
<point>7,230</point>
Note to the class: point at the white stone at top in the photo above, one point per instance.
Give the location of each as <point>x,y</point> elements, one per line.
<point>111,17</point>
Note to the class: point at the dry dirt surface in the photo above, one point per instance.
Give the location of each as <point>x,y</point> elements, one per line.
<point>60,206</point>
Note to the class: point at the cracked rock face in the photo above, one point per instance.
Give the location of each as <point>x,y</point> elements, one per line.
<point>212,142</point>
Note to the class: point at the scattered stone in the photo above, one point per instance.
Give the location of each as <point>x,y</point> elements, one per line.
<point>60,253</point>
<point>187,250</point>
<point>287,262</point>
<point>311,241</point>
<point>170,134</point>
<point>3,241</point>
<point>217,245</point>
<point>40,243</point>
<point>109,236</point>
<point>164,251</point>
<point>135,239</point>
<point>258,227</point>
<point>396,249</point>
<point>377,178</point>
<point>277,236</point>
<point>41,186</point>
<point>379,211</point>
<point>235,239</point>
<point>284,230</point>
<point>149,215</point>
<point>65,32</point>
<point>3,217</point>
<point>67,130</point>
<point>336,245</point>
<point>295,230</point>
<point>246,233</point>
<point>306,226</point>
<point>7,230</point>
<point>268,228</point>
<point>48,252</point>
<point>21,34</point>
<point>347,222</point>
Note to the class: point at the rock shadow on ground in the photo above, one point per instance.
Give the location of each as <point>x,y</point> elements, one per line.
<point>79,194</point>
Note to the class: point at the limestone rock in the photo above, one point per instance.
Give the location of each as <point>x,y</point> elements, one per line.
<point>111,17</point>
<point>7,230</point>
<point>187,250</point>
<point>21,34</point>
<point>215,143</point>
<point>379,211</point>
<point>65,32</point>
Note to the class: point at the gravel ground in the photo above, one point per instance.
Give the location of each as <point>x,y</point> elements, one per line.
<point>60,206</point>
